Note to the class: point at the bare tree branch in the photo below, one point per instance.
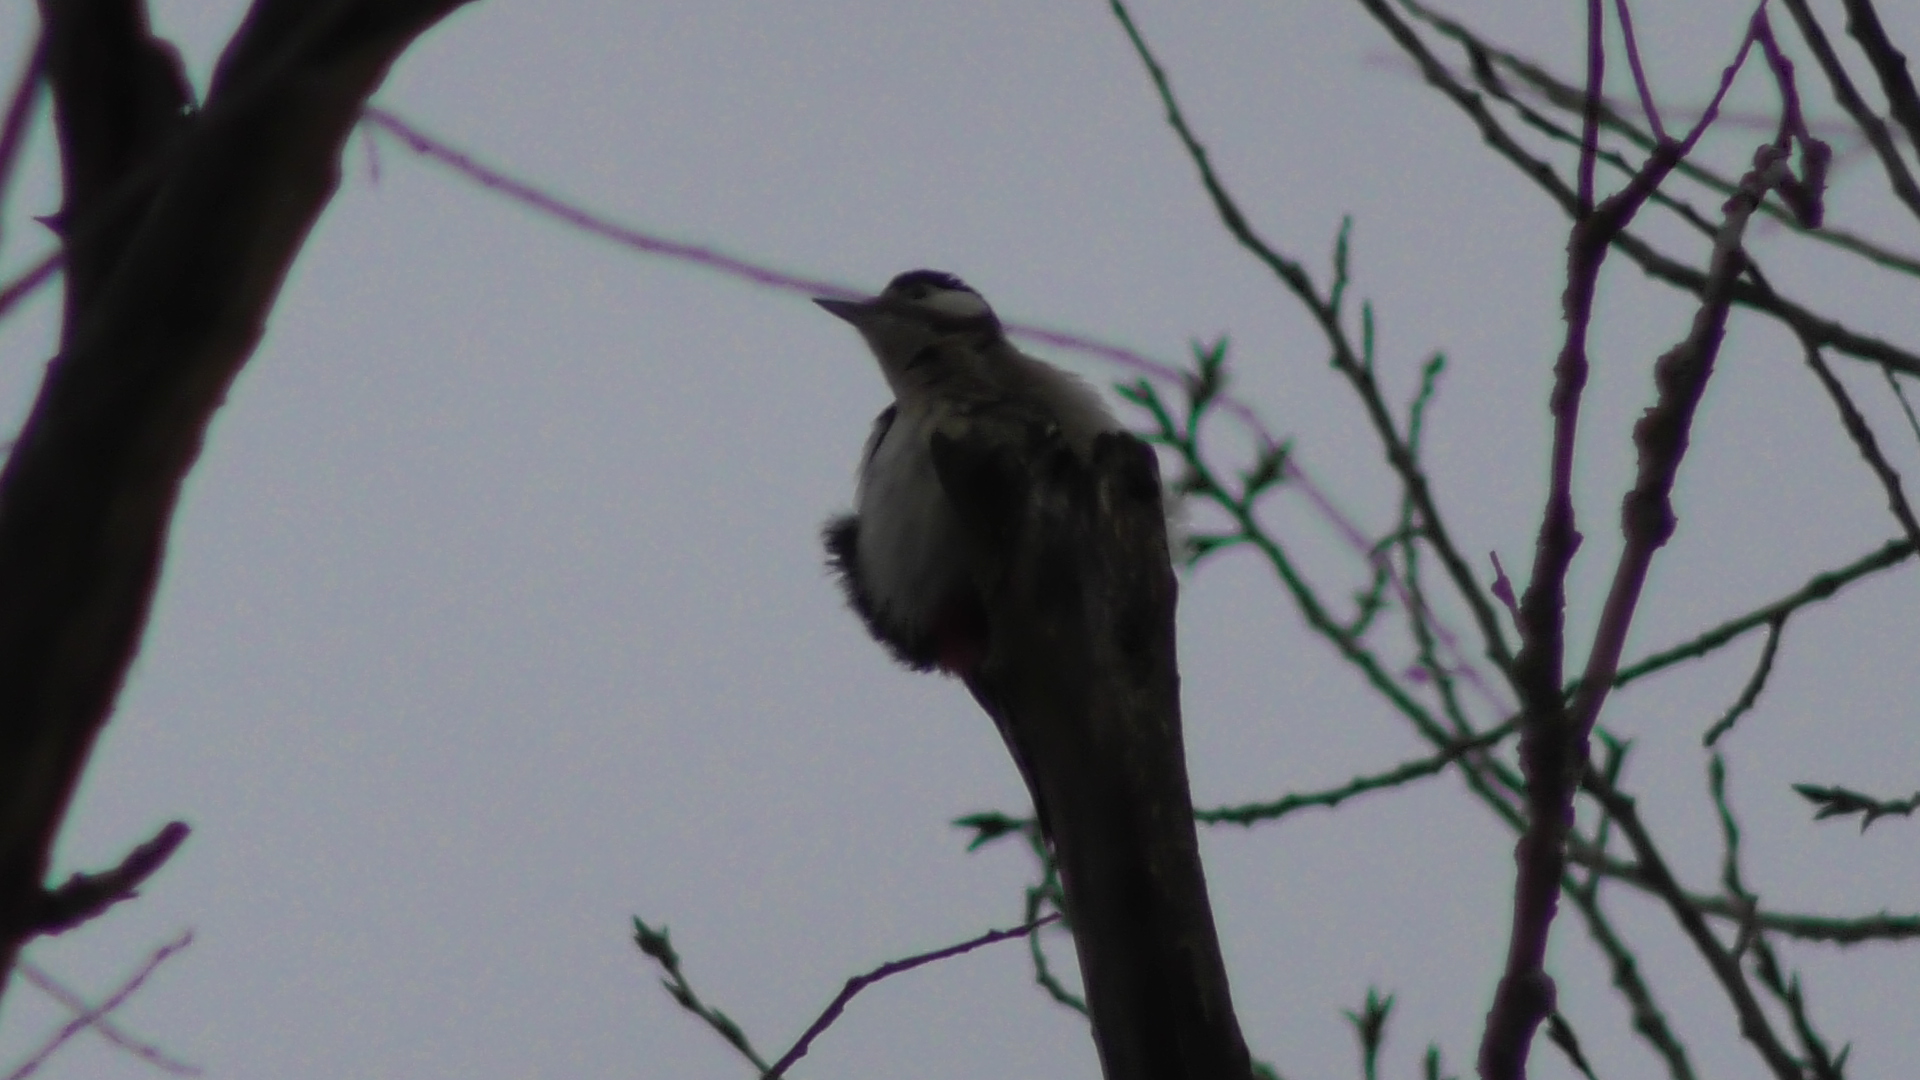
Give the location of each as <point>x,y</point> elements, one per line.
<point>168,290</point>
<point>1486,57</point>
<point>1720,960</point>
<point>1554,733</point>
<point>1656,264</point>
<point>104,1025</point>
<point>86,895</point>
<point>1899,178</point>
<point>893,967</point>
<point>1863,439</point>
<point>1756,683</point>
<point>1889,63</point>
<point>1254,813</point>
<point>92,1016</point>
<point>1360,374</point>
<point>1821,586</point>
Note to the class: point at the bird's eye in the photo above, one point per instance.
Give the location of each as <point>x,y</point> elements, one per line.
<point>916,292</point>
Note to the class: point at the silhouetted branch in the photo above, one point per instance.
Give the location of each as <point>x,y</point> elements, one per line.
<point>1842,802</point>
<point>1554,732</point>
<point>1648,1018</point>
<point>1204,482</point>
<point>1899,178</point>
<point>1766,965</point>
<point>180,226</point>
<point>92,1016</point>
<point>87,895</point>
<point>1756,683</point>
<point>890,968</point>
<point>1370,1029</point>
<point>103,1025</point>
<point>1820,587</point>
<point>657,946</point>
<point>1863,22</point>
<point>1656,264</point>
<point>1863,439</point>
<point>30,279</point>
<point>1253,813</point>
<point>1725,966</point>
<point>1485,58</point>
<point>1356,368</point>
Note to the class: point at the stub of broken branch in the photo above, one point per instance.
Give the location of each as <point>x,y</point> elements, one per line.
<point>84,896</point>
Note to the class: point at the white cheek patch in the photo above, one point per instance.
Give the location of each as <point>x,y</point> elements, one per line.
<point>957,304</point>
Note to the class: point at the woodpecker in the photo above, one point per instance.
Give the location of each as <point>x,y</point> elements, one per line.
<point>900,555</point>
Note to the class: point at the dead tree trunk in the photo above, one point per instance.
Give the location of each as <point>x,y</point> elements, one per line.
<point>1071,561</point>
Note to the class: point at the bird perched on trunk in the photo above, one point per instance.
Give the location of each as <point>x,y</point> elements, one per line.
<point>901,555</point>
<point>1006,530</point>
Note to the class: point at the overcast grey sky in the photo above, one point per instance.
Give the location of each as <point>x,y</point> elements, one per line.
<point>494,612</point>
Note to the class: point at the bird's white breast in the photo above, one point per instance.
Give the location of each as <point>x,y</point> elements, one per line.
<point>911,554</point>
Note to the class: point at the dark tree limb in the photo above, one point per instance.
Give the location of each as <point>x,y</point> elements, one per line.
<point>1071,560</point>
<point>85,896</point>
<point>1899,177</point>
<point>181,226</point>
<point>1889,63</point>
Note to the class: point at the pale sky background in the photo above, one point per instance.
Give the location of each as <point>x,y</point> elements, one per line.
<point>494,613</point>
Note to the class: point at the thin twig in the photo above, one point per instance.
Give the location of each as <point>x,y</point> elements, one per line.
<point>1248,530</point>
<point>104,1026</point>
<point>891,968</point>
<point>1900,393</point>
<point>1863,439</point>
<point>1625,14</point>
<point>92,1016</point>
<point>30,279</point>
<point>656,945</point>
<point>1829,929</point>
<point>1253,813</point>
<point>1754,1024</point>
<point>1822,1064</point>
<point>1651,260</point>
<point>1766,965</point>
<point>1296,279</point>
<point>1557,93</point>
<point>1649,1020</point>
<point>1047,893</point>
<point>1821,586</point>
<point>1842,802</point>
<point>1756,683</point>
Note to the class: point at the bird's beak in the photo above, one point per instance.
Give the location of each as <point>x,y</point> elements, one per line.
<point>857,312</point>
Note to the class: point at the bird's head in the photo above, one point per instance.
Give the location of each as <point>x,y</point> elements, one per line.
<point>918,309</point>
